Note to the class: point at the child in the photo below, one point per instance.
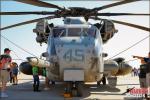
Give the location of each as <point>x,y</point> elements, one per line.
<point>15,73</point>
<point>36,78</point>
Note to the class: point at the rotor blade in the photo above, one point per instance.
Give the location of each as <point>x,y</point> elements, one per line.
<point>27,22</point>
<point>132,25</point>
<point>127,24</point>
<point>27,13</point>
<point>39,3</point>
<point>113,4</point>
<point>120,14</point>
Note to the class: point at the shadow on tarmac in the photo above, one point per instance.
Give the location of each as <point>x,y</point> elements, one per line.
<point>24,91</point>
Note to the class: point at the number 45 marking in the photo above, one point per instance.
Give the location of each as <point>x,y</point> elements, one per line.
<point>74,55</point>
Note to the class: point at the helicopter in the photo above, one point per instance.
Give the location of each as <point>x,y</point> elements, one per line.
<point>74,53</point>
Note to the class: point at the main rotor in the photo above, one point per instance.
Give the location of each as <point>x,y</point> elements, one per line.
<point>74,12</point>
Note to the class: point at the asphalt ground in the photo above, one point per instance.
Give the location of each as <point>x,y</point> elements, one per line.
<point>24,91</point>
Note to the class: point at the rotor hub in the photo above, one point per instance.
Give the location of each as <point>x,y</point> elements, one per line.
<point>75,12</point>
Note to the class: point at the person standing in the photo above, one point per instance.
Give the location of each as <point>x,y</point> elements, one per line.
<point>148,75</point>
<point>35,72</point>
<point>15,73</point>
<point>46,79</point>
<point>144,60</point>
<point>5,60</point>
<point>10,76</point>
<point>132,72</point>
<point>135,71</point>
<point>145,72</point>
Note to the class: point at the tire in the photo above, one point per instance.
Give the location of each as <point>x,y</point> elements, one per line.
<point>53,82</point>
<point>79,89</point>
<point>74,92</point>
<point>104,80</point>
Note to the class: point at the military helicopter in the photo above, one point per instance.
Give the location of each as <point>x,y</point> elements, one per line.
<point>74,54</point>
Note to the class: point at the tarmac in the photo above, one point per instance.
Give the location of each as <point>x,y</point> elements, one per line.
<point>24,91</point>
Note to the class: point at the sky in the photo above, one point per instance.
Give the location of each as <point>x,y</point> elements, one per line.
<point>24,37</point>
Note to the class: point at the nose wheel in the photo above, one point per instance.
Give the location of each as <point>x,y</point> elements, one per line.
<point>73,89</point>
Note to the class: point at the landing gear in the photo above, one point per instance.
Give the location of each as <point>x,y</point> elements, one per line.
<point>112,81</point>
<point>74,89</point>
<point>103,80</point>
<point>53,82</point>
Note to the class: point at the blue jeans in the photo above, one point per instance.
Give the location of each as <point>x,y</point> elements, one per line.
<point>36,80</point>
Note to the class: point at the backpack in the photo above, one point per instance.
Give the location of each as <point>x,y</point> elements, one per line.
<point>3,60</point>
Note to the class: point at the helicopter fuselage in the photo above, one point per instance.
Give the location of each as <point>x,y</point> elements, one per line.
<point>75,47</point>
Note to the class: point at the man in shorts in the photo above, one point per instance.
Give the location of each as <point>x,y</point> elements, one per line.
<point>145,72</point>
<point>5,60</point>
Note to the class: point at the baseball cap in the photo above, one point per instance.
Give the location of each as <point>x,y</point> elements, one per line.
<point>6,49</point>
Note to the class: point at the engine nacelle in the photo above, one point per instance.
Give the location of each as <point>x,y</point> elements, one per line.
<point>26,68</point>
<point>117,67</point>
<point>42,31</point>
<point>40,39</point>
<point>111,67</point>
<point>39,62</point>
<point>124,68</point>
<point>107,29</point>
<point>41,27</point>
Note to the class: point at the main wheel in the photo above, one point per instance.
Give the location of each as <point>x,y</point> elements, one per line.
<point>53,82</point>
<point>104,80</point>
<point>68,87</point>
<point>79,89</point>
<point>74,92</point>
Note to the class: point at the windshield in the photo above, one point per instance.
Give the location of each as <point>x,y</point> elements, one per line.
<point>59,32</point>
<point>74,32</point>
<point>81,32</point>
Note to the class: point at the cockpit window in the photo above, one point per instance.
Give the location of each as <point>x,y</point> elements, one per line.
<point>81,32</point>
<point>59,32</point>
<point>74,31</point>
<point>91,32</point>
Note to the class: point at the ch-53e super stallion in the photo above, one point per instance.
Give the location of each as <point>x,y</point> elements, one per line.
<point>74,54</point>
